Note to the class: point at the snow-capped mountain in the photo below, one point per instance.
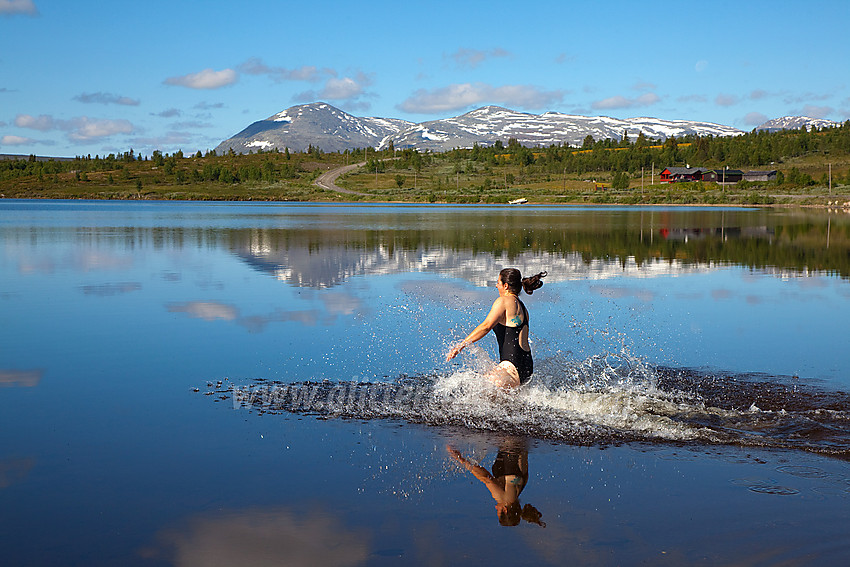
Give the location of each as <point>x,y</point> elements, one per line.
<point>795,122</point>
<point>317,124</point>
<point>321,125</point>
<point>486,125</point>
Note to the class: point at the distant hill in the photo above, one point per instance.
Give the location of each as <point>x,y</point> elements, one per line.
<point>331,129</point>
<point>15,157</point>
<point>486,125</point>
<point>317,124</point>
<point>322,125</point>
<point>794,123</point>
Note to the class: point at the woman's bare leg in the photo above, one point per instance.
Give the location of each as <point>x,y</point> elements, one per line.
<point>505,375</point>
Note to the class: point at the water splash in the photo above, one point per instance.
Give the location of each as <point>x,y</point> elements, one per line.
<point>606,399</point>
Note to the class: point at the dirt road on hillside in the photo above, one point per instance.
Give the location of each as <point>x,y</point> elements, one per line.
<point>328,178</point>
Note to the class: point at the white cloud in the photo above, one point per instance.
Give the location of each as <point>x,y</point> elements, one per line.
<point>758,94</point>
<point>191,125</point>
<point>805,98</point>
<point>644,86</point>
<point>170,140</point>
<point>106,98</point>
<point>351,90</point>
<point>206,79</point>
<point>472,58</point>
<point>701,65</point>
<point>460,96</point>
<point>564,58</point>
<point>619,101</point>
<point>692,98</point>
<point>755,119</point>
<point>726,100</point>
<point>42,123</point>
<point>813,111</point>
<point>12,7</point>
<point>16,141</point>
<point>310,73</point>
<point>79,129</point>
<point>208,106</point>
<point>85,128</point>
<point>340,89</point>
<point>168,113</point>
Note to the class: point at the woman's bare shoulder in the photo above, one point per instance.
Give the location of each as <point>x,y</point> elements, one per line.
<point>499,305</point>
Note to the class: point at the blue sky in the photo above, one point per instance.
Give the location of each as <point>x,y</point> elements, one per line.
<point>84,77</point>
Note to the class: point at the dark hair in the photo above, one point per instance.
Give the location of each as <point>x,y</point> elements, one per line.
<point>514,513</point>
<point>515,282</point>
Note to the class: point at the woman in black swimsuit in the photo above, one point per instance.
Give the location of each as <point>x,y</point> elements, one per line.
<point>508,318</point>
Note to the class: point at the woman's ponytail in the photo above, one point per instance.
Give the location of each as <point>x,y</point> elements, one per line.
<point>534,282</point>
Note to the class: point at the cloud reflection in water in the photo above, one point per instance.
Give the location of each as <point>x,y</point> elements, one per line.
<point>14,470</point>
<point>214,311</point>
<point>107,289</point>
<point>20,378</point>
<point>258,537</point>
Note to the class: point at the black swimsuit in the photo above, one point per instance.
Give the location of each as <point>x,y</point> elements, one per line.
<point>509,349</point>
<point>507,463</point>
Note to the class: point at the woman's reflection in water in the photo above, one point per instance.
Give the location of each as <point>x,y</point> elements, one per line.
<point>510,475</point>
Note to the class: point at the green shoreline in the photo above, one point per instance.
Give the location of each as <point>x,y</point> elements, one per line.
<point>811,168</point>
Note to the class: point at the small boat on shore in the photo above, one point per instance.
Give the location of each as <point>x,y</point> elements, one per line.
<point>520,201</point>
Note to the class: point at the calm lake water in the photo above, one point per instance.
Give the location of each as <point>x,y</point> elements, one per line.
<point>265,384</point>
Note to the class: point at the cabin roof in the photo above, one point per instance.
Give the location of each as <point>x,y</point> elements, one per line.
<point>683,170</point>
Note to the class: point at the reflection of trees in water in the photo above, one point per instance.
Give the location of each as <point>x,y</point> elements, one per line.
<point>314,258</point>
<point>322,248</point>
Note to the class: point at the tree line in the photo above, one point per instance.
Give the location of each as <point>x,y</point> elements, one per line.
<point>620,159</point>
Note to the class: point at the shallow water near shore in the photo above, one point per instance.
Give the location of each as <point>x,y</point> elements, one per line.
<point>265,384</point>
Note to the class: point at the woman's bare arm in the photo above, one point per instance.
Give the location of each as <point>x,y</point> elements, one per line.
<point>497,314</point>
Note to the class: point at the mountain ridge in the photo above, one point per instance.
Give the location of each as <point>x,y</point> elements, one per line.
<point>330,129</point>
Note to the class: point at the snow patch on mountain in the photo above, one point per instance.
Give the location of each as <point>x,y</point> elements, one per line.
<point>321,125</point>
<point>795,123</point>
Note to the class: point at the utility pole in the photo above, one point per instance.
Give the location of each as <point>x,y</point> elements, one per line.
<point>830,179</point>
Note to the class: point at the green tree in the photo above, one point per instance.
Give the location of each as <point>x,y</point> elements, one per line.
<point>399,180</point>
<point>620,180</point>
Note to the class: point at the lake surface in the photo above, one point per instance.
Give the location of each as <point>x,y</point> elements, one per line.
<point>265,384</point>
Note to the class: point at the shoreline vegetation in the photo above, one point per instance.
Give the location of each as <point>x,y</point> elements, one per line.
<point>812,170</point>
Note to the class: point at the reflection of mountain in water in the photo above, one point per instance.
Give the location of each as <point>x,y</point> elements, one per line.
<point>320,246</point>
<point>333,264</point>
<point>476,251</point>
